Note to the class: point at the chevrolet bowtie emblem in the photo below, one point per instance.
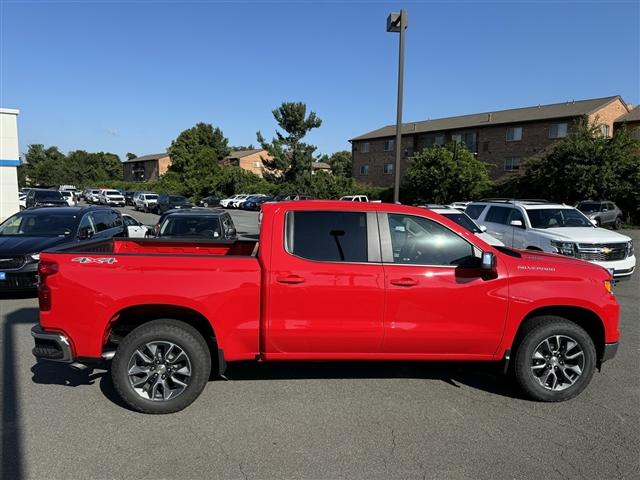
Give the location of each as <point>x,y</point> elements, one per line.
<point>606,250</point>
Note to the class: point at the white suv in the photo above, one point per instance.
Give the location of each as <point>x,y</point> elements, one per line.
<point>111,197</point>
<point>145,202</point>
<point>556,228</point>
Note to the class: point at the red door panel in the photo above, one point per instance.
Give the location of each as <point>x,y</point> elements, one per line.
<point>434,311</point>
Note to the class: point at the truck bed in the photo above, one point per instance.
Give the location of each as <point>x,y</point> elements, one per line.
<point>160,246</point>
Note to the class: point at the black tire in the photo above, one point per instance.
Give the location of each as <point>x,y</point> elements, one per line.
<point>179,333</point>
<point>539,329</point>
<point>617,225</point>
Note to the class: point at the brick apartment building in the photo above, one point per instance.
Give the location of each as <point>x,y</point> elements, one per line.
<point>632,121</point>
<point>503,139</point>
<point>250,160</point>
<point>146,168</point>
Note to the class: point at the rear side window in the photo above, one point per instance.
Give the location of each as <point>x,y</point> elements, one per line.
<point>327,236</point>
<point>474,211</point>
<point>498,215</point>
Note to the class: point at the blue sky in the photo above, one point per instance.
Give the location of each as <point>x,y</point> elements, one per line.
<point>130,76</point>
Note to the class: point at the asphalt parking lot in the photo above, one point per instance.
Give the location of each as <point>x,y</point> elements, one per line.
<point>335,420</point>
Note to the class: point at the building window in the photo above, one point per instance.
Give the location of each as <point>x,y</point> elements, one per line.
<point>558,130</point>
<point>257,164</point>
<point>514,134</point>
<point>485,146</point>
<point>468,138</point>
<point>439,139</point>
<point>604,129</point>
<point>388,145</point>
<point>388,168</point>
<point>512,164</point>
<point>364,169</point>
<point>364,147</point>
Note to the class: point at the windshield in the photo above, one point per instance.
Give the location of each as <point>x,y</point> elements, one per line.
<point>39,225</point>
<point>48,195</point>
<point>181,226</point>
<point>151,197</point>
<point>175,198</point>
<point>113,193</point>
<point>462,220</point>
<point>66,194</point>
<point>557,217</point>
<point>589,207</point>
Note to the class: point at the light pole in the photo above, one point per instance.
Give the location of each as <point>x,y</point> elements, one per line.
<point>398,23</point>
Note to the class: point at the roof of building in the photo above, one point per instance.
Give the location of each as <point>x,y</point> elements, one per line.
<point>632,116</point>
<point>244,153</point>
<point>321,166</point>
<point>573,108</point>
<point>144,158</point>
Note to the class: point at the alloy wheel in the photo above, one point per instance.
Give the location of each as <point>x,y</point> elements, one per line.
<point>557,362</point>
<point>159,371</point>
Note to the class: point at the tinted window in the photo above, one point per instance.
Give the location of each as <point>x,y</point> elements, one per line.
<point>498,215</point>
<point>474,211</point>
<point>49,225</point>
<point>86,228</point>
<point>104,220</point>
<point>419,241</point>
<point>48,195</point>
<point>175,198</point>
<point>130,222</point>
<point>188,226</point>
<point>328,236</point>
<point>589,207</point>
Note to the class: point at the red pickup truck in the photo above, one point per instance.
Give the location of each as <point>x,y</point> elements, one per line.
<point>327,281</point>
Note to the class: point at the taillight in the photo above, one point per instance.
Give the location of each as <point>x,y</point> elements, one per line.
<point>46,268</point>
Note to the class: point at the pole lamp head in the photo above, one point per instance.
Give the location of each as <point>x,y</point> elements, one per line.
<point>395,20</point>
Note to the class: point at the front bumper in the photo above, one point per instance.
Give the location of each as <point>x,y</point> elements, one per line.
<point>621,268</point>
<point>25,278</point>
<point>51,346</point>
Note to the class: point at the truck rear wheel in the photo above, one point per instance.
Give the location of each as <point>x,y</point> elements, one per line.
<point>555,359</point>
<point>161,366</point>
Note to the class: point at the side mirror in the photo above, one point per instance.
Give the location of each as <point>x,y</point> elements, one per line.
<point>232,232</point>
<point>488,262</point>
<point>483,228</point>
<point>605,209</point>
<point>517,223</point>
<point>594,221</point>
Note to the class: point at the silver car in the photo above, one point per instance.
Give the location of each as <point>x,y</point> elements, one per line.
<point>604,213</point>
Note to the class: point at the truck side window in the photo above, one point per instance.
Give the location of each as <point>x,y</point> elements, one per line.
<point>103,220</point>
<point>419,241</point>
<point>327,236</point>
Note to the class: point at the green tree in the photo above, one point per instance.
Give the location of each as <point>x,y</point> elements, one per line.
<point>444,174</point>
<point>43,166</point>
<point>291,157</point>
<point>131,156</point>
<point>195,157</point>
<point>341,163</point>
<point>585,165</point>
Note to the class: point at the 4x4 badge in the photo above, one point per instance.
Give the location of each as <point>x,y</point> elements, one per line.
<point>108,260</point>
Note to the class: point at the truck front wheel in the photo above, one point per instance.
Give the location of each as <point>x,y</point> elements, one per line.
<point>555,359</point>
<point>162,366</point>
